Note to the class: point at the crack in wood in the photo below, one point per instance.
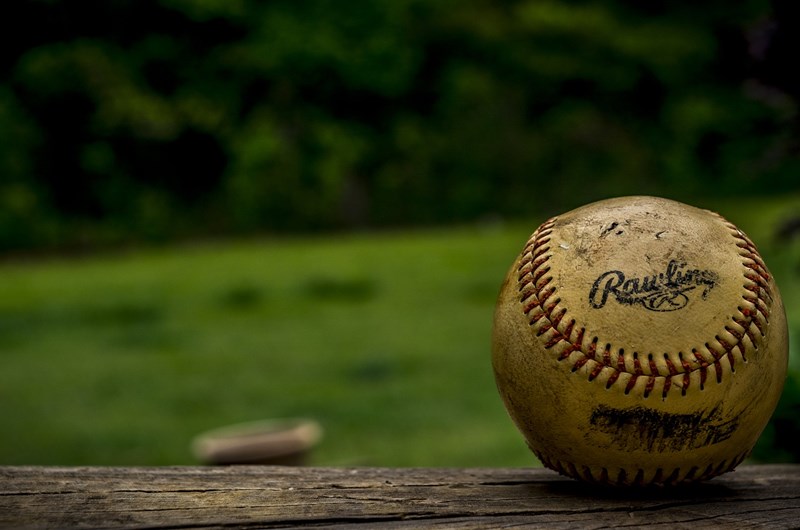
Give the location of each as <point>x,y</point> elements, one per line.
<point>269,497</point>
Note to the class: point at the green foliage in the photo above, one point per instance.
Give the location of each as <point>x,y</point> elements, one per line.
<point>156,119</point>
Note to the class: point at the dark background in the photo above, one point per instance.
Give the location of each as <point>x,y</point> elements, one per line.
<point>126,121</point>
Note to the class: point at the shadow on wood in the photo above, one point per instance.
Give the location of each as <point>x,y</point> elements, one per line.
<point>268,496</point>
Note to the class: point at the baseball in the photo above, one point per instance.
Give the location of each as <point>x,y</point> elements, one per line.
<point>640,341</point>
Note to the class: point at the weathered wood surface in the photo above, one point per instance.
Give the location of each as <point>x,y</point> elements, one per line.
<point>267,497</point>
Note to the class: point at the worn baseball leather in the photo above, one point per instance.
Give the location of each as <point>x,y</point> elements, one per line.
<point>639,340</point>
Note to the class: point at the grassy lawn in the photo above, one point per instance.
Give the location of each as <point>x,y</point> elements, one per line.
<point>384,339</point>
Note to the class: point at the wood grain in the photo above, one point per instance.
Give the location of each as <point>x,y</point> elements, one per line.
<point>271,497</point>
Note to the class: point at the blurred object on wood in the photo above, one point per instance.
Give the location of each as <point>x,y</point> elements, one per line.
<point>274,442</point>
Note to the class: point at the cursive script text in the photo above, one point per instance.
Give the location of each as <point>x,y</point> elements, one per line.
<point>665,291</point>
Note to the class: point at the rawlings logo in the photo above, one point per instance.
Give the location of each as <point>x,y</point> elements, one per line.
<point>665,291</point>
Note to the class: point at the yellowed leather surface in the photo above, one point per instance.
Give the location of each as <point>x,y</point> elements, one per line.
<point>640,340</point>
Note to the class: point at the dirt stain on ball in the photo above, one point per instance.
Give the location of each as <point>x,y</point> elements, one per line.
<point>652,430</point>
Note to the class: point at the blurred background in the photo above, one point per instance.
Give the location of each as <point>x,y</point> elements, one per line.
<point>217,211</point>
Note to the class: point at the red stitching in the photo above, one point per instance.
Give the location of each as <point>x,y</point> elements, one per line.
<point>667,386</point>
<point>651,382</point>
<point>557,318</point>
<point>579,363</point>
<point>607,355</point>
<point>525,296</point>
<point>592,349</point>
<point>684,363</point>
<point>725,344</point>
<point>547,326</point>
<point>547,293</point>
<point>554,340</point>
<point>670,365</point>
<point>539,274</point>
<point>579,339</point>
<point>536,288</point>
<point>568,330</point>
<point>653,367</point>
<point>604,476</point>
<point>530,307</point>
<point>758,280</point>
<point>735,333</point>
<point>541,251</point>
<point>567,351</point>
<point>637,366</point>
<point>538,261</point>
<point>760,327</point>
<point>621,362</point>
<point>658,476</point>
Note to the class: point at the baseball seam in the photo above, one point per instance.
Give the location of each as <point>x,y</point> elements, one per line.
<point>541,304</point>
<point>636,477</point>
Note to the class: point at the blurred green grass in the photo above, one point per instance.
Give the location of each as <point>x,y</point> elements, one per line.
<point>383,338</point>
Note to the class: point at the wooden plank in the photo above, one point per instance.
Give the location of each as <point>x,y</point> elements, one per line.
<point>268,497</point>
